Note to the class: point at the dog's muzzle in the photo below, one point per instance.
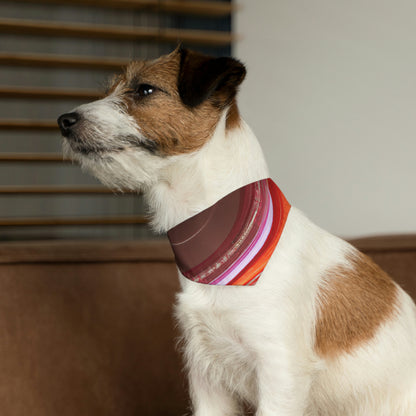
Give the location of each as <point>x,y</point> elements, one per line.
<point>67,123</point>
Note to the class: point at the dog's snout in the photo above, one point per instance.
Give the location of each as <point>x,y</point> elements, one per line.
<point>67,121</point>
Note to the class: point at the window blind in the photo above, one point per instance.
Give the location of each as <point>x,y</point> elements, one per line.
<point>55,55</point>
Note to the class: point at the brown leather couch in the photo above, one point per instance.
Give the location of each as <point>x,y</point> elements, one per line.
<point>86,328</point>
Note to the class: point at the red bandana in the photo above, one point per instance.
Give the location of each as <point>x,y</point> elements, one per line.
<point>231,242</point>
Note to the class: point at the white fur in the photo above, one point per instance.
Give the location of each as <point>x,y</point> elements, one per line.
<point>257,343</point>
<point>107,122</point>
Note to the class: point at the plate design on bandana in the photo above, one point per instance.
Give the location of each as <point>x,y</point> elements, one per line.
<point>231,242</point>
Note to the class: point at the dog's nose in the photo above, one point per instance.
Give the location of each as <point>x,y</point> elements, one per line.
<point>67,121</point>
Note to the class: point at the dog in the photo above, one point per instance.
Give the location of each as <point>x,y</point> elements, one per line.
<point>321,330</point>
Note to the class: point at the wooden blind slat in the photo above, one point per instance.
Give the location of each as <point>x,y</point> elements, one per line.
<point>45,28</point>
<point>56,61</point>
<point>59,190</point>
<point>115,220</point>
<point>202,8</point>
<point>48,93</point>
<point>31,157</point>
<point>28,125</point>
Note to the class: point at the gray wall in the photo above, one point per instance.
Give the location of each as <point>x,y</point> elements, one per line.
<point>331,94</point>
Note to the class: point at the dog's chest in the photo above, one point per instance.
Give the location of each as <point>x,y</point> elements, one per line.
<point>214,342</point>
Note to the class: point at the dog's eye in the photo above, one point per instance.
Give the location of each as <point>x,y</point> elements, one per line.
<point>143,90</point>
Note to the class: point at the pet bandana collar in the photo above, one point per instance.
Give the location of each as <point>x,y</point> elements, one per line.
<point>231,242</point>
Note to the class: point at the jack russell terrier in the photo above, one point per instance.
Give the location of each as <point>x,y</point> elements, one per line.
<point>275,313</point>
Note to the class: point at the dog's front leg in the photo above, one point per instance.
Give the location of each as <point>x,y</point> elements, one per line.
<point>282,385</point>
<point>209,399</point>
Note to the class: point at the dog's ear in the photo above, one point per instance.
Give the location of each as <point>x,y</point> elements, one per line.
<point>202,77</point>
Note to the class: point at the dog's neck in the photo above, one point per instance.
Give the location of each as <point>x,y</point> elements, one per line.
<point>192,183</point>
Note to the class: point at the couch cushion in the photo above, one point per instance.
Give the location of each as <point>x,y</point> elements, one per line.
<point>89,336</point>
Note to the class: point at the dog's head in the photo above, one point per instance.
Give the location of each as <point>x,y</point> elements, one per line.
<point>152,112</point>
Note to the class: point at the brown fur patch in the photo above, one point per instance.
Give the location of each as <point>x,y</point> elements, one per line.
<point>353,303</point>
<point>233,116</point>
<point>162,117</point>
